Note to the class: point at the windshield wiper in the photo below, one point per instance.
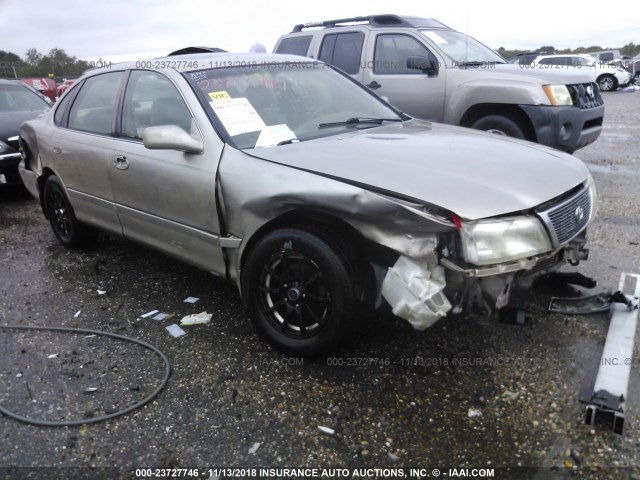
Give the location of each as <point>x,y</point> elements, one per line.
<point>287,142</point>
<point>359,121</point>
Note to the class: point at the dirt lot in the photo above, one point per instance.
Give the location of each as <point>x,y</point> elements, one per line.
<point>468,393</point>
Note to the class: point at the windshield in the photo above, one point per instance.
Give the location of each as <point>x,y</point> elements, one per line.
<point>15,98</point>
<point>271,104</point>
<point>461,48</point>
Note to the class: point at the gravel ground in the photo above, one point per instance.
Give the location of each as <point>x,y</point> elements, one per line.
<point>467,393</point>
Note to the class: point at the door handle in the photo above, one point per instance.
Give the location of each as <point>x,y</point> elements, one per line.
<point>121,162</point>
<point>373,85</point>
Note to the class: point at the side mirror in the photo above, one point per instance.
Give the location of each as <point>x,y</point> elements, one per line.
<point>427,65</point>
<point>170,137</point>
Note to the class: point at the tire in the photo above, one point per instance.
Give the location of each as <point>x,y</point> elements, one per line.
<point>607,83</point>
<point>499,124</point>
<point>636,79</point>
<point>297,288</point>
<point>71,233</point>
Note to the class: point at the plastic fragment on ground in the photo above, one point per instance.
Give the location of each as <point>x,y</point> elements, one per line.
<point>254,448</point>
<point>201,318</point>
<point>159,317</point>
<point>77,314</point>
<point>90,389</point>
<point>148,314</point>
<point>191,300</point>
<point>327,430</point>
<point>53,355</point>
<point>414,291</point>
<point>392,457</point>
<point>474,412</point>
<point>175,330</point>
<point>101,292</point>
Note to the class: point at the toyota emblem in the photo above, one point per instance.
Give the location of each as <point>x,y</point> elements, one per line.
<point>590,91</point>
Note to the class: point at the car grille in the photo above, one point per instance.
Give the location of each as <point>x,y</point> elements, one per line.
<point>568,217</point>
<point>585,95</point>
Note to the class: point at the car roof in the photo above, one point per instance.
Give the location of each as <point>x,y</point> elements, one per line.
<point>375,21</point>
<point>204,61</point>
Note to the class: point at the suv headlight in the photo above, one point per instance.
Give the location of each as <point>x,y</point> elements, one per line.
<point>558,94</point>
<point>488,242</point>
<point>4,147</point>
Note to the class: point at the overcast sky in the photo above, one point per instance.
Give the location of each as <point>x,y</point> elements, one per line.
<point>119,30</point>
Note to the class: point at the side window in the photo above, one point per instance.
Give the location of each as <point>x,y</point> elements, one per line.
<point>93,108</point>
<point>606,57</point>
<point>390,56</point>
<point>151,99</point>
<point>295,45</point>
<point>343,50</point>
<point>62,108</point>
<point>556,61</point>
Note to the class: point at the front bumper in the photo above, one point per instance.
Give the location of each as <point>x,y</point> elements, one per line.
<point>9,168</point>
<point>565,128</point>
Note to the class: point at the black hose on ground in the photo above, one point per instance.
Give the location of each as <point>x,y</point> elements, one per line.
<point>70,423</point>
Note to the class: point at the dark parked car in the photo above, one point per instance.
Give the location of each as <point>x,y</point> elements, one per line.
<point>17,104</point>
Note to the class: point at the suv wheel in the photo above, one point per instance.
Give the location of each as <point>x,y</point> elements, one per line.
<point>499,124</point>
<point>71,233</point>
<point>636,79</point>
<point>607,83</point>
<point>298,291</point>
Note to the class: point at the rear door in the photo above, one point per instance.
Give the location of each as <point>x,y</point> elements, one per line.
<point>166,198</point>
<point>81,148</point>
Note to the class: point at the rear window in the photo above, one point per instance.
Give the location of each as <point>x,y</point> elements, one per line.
<point>295,46</point>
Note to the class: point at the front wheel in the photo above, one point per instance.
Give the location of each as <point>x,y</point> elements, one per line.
<point>298,291</point>
<point>71,233</point>
<point>607,83</point>
<point>636,79</point>
<point>499,124</point>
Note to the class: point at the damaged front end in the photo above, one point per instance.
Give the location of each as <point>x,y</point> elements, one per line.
<point>476,268</point>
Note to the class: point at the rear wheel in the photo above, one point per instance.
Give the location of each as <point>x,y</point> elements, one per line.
<point>607,82</point>
<point>297,288</point>
<point>71,233</point>
<point>499,124</point>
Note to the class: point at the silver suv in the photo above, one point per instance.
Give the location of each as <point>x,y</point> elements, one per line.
<point>432,72</point>
<point>305,189</point>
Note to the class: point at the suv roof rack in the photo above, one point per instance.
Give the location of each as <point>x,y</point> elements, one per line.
<point>388,20</point>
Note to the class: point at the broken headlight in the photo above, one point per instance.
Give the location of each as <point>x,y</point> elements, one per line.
<point>558,94</point>
<point>487,242</point>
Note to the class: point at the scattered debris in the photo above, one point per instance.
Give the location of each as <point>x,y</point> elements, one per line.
<point>175,330</point>
<point>77,314</point>
<point>89,336</point>
<point>191,300</point>
<point>53,355</point>
<point>474,412</point>
<point>101,292</point>
<point>327,430</point>
<point>511,395</point>
<point>19,375</point>
<point>148,314</point>
<point>196,319</point>
<point>254,448</point>
<point>89,390</point>
<point>159,317</point>
<point>392,457</point>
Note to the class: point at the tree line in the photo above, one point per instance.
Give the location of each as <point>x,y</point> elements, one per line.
<point>56,64</point>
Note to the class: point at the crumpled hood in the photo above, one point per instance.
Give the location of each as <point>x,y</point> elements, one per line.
<point>473,174</point>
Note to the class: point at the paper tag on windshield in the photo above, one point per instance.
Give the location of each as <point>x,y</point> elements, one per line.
<point>238,116</point>
<point>271,135</point>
